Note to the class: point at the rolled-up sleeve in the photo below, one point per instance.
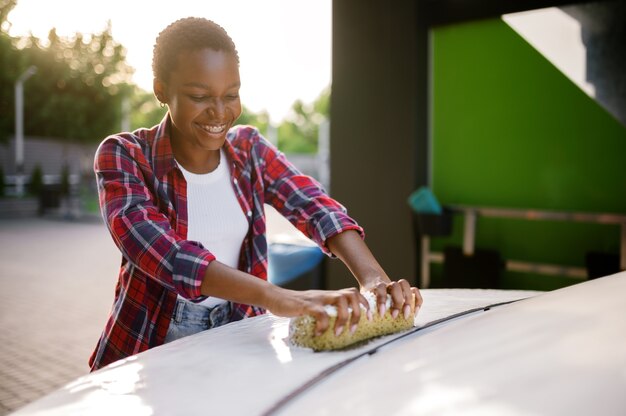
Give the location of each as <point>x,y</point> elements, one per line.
<point>140,230</point>
<point>302,200</point>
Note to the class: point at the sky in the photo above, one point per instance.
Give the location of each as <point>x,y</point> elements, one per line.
<point>284,45</point>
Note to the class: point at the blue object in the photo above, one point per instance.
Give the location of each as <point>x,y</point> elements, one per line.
<point>289,261</point>
<point>423,201</point>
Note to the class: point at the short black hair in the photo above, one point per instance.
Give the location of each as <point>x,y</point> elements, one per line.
<point>188,34</point>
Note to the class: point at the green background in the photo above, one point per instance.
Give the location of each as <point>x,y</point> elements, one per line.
<point>510,130</point>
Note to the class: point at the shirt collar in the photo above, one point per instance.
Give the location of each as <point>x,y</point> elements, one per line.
<point>163,155</point>
<point>229,149</point>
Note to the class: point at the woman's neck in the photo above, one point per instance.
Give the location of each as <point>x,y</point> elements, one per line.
<point>196,160</point>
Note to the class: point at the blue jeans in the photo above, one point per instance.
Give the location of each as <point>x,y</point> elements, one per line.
<point>190,318</point>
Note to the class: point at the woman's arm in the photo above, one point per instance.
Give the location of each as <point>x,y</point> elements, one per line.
<point>140,230</point>
<point>303,201</point>
<point>352,250</point>
<point>234,285</point>
<point>300,198</point>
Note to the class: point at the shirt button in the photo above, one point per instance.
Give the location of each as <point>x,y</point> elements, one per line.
<point>235,181</point>
<point>249,213</point>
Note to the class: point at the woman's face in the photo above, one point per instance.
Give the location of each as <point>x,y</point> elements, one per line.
<point>203,98</point>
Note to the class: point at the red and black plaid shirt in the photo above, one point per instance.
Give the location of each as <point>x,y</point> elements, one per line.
<point>143,199</point>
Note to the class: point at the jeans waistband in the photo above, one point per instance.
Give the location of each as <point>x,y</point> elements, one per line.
<point>200,314</point>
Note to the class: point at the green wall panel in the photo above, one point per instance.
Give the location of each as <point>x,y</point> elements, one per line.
<point>510,130</point>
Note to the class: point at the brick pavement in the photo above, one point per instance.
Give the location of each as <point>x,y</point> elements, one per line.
<point>56,286</point>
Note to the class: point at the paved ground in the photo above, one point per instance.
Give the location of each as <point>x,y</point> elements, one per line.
<point>56,287</point>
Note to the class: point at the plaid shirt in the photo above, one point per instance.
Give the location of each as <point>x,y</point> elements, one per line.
<point>143,199</point>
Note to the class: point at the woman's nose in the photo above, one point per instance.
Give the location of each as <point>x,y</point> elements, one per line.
<point>216,109</point>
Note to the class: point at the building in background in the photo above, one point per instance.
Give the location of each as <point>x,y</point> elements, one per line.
<point>447,95</point>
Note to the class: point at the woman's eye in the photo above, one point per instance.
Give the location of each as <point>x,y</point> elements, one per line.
<point>232,96</point>
<point>197,97</point>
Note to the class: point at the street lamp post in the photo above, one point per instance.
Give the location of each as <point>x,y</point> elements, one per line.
<point>19,129</point>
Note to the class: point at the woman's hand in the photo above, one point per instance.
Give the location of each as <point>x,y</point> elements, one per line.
<point>352,250</point>
<point>289,303</point>
<point>404,298</point>
<point>225,282</point>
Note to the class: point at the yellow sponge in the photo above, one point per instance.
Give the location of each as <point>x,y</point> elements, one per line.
<point>302,328</point>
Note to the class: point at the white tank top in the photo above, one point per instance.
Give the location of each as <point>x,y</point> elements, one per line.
<point>214,216</point>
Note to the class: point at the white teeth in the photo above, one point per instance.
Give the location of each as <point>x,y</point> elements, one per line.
<point>213,129</point>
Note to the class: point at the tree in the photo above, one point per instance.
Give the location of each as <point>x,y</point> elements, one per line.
<point>259,120</point>
<point>298,133</point>
<point>86,81</point>
<point>145,110</point>
<point>8,72</point>
<point>83,86</point>
<point>78,90</point>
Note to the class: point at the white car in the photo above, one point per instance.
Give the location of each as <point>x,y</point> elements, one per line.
<point>472,352</point>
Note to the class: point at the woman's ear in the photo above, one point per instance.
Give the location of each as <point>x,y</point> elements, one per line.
<point>158,87</point>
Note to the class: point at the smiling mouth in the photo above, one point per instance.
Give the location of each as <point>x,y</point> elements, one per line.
<point>213,128</point>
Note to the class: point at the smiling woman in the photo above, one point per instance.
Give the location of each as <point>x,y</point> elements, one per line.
<point>202,95</point>
<point>185,203</point>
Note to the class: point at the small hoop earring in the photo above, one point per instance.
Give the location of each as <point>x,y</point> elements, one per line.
<point>162,105</point>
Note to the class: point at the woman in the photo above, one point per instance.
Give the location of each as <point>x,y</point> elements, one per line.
<point>184,204</point>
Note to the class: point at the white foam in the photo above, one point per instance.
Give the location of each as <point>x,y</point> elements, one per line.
<point>331,310</point>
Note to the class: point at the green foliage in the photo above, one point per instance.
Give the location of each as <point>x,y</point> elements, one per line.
<point>321,105</point>
<point>145,110</point>
<point>259,120</point>
<point>78,90</point>
<point>291,139</point>
<point>7,70</point>
<point>8,75</point>
<point>299,132</point>
<point>82,91</point>
<point>35,185</point>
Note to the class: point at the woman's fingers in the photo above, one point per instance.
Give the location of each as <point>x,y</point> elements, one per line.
<point>343,314</point>
<point>321,320</point>
<point>404,298</point>
<point>407,294</point>
<point>418,298</point>
<point>347,302</point>
<point>355,304</point>
<point>397,298</point>
<point>363,301</point>
<point>380,291</point>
